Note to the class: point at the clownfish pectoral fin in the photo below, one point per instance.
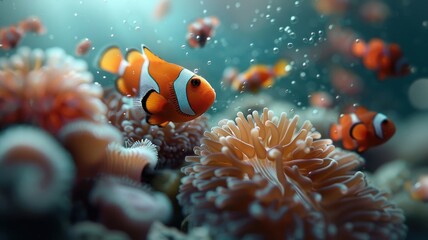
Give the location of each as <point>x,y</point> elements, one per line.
<point>361,149</point>
<point>349,144</point>
<point>122,89</point>
<point>132,55</point>
<point>280,68</point>
<point>335,132</point>
<point>359,132</point>
<point>153,102</point>
<point>156,120</point>
<point>110,60</point>
<point>151,56</point>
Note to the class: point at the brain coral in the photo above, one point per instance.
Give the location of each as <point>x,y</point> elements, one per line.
<point>48,89</point>
<point>261,177</point>
<point>173,142</point>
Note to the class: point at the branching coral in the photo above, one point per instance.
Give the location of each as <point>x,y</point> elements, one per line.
<point>173,142</point>
<point>261,177</point>
<point>48,89</point>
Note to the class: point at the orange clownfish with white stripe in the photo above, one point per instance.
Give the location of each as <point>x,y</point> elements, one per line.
<point>165,91</point>
<point>362,129</point>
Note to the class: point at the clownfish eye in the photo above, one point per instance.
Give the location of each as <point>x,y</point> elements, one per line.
<point>195,82</point>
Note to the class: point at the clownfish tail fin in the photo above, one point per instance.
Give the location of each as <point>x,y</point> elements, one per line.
<point>280,68</point>
<point>335,132</point>
<point>110,60</point>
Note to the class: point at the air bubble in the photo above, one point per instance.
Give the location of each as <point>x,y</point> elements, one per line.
<point>293,19</point>
<point>183,46</point>
<point>290,45</point>
<point>209,63</point>
<point>296,3</point>
<point>252,61</point>
<point>425,24</point>
<point>196,70</point>
<point>275,50</point>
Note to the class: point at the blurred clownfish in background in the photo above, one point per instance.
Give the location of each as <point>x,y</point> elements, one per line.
<point>256,77</point>
<point>386,59</point>
<point>12,35</point>
<point>165,91</point>
<point>201,30</point>
<point>362,129</point>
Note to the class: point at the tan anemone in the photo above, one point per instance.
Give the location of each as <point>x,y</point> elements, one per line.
<point>261,177</point>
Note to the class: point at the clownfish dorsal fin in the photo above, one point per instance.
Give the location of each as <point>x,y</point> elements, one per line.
<point>132,55</point>
<point>153,102</point>
<point>359,131</point>
<point>156,120</point>
<point>150,55</point>
<point>122,89</point>
<point>360,110</point>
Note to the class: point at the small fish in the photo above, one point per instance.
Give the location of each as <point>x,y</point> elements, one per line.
<point>83,47</point>
<point>165,91</point>
<point>259,76</point>
<point>386,60</point>
<point>10,37</point>
<point>32,24</point>
<point>362,129</point>
<point>201,30</point>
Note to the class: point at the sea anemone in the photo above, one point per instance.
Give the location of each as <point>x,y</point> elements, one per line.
<point>130,161</point>
<point>173,142</point>
<point>36,174</point>
<point>127,206</point>
<point>262,177</point>
<point>48,89</point>
<point>87,142</point>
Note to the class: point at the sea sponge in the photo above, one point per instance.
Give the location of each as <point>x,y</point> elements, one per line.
<point>127,206</point>
<point>36,175</point>
<point>174,142</point>
<point>48,89</point>
<point>261,177</point>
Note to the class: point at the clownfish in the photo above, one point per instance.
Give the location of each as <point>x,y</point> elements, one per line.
<point>386,60</point>
<point>258,76</point>
<point>362,129</point>
<point>165,91</point>
<point>201,30</point>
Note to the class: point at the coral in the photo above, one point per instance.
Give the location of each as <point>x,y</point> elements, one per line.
<point>126,206</point>
<point>87,142</point>
<point>48,89</point>
<point>173,142</point>
<point>262,177</point>
<point>36,174</point>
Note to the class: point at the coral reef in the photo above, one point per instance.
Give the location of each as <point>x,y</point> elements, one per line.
<point>48,89</point>
<point>173,142</point>
<point>262,177</point>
